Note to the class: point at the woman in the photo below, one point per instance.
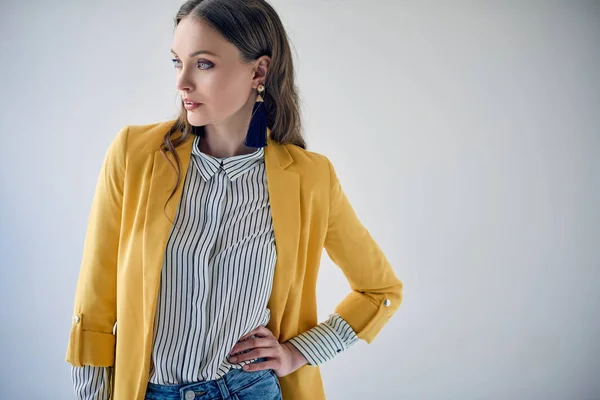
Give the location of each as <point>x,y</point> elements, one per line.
<point>201,256</point>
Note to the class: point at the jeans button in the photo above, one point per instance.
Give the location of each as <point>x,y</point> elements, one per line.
<point>189,395</point>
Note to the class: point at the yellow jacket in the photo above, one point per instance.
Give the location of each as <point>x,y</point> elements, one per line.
<point>127,235</point>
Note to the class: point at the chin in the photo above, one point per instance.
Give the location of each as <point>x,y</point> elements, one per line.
<point>196,120</point>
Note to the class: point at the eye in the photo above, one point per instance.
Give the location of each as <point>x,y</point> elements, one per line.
<point>209,64</point>
<point>203,65</point>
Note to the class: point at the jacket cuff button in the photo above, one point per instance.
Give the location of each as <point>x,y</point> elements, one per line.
<point>387,302</point>
<point>76,319</point>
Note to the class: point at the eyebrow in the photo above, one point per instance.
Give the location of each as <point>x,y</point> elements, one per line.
<point>196,53</point>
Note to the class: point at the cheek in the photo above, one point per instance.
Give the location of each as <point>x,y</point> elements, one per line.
<point>226,95</point>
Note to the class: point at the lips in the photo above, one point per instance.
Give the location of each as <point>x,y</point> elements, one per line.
<point>191,106</point>
<point>191,102</point>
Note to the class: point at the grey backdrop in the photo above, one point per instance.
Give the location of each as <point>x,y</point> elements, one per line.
<point>466,134</point>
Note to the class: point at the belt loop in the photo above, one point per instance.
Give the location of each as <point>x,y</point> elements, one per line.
<point>221,383</point>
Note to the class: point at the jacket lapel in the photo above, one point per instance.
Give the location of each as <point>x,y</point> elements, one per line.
<point>284,197</point>
<point>157,227</point>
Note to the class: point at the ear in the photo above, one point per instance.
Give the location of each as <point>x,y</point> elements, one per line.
<point>260,69</point>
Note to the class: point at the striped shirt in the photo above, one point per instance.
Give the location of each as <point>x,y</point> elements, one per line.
<point>216,279</point>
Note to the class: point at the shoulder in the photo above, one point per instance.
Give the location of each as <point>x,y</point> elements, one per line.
<point>308,161</point>
<point>140,140</point>
<point>314,168</point>
<point>136,142</point>
<point>147,138</point>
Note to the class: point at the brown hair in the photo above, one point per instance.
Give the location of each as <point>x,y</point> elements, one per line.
<point>255,29</point>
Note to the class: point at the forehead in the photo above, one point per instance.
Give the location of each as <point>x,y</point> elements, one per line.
<point>193,34</point>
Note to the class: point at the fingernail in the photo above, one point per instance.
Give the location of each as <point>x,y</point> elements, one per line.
<point>233,359</point>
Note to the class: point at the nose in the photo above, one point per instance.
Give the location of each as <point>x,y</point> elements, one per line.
<point>184,83</point>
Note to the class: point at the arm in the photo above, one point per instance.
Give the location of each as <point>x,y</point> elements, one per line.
<point>91,341</point>
<point>376,290</point>
<point>91,383</point>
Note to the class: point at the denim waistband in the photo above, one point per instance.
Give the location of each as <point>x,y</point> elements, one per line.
<point>233,381</point>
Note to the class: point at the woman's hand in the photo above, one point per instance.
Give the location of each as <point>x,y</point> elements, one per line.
<point>283,358</point>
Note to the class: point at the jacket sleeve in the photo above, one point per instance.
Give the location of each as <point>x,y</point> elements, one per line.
<point>376,290</point>
<point>91,341</point>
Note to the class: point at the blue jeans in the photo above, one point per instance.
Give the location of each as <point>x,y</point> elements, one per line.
<point>236,384</point>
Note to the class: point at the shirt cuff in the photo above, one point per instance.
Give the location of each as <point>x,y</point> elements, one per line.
<point>91,383</point>
<point>326,340</point>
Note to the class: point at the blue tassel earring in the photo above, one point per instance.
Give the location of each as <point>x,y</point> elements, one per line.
<point>257,132</point>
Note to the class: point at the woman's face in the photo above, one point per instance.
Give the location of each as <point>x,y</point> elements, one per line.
<point>210,71</point>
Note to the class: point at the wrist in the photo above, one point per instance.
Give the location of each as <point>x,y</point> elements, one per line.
<point>298,359</point>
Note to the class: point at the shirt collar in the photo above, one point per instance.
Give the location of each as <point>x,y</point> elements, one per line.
<point>234,166</point>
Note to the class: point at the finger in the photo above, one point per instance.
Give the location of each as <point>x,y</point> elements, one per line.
<point>247,335</point>
<point>261,331</point>
<point>251,344</point>
<point>258,366</point>
<point>253,354</point>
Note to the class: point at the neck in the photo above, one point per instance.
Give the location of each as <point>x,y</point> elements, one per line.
<point>219,146</point>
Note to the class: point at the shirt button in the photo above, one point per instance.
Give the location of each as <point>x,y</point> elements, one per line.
<point>76,319</point>
<point>387,302</point>
<point>189,395</point>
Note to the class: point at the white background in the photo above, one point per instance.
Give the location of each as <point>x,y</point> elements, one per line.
<point>466,135</point>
